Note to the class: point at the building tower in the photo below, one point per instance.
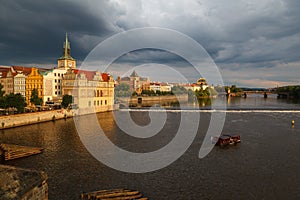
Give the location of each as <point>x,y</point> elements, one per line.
<point>66,61</point>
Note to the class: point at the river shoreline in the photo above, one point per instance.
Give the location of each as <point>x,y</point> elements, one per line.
<point>11,121</point>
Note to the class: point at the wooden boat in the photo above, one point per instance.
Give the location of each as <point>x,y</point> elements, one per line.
<point>226,139</point>
<point>115,194</point>
<point>234,138</point>
<point>221,141</point>
<point>11,151</point>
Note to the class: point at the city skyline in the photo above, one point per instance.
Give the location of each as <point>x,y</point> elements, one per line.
<point>254,44</point>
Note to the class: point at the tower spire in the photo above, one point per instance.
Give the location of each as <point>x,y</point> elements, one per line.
<point>66,61</point>
<point>66,49</point>
<point>66,45</point>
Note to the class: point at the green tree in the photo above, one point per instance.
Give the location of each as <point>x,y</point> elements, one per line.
<point>35,99</point>
<point>179,90</point>
<point>211,91</point>
<point>2,99</point>
<point>1,90</point>
<point>122,90</point>
<point>15,101</point>
<point>235,89</point>
<point>67,100</point>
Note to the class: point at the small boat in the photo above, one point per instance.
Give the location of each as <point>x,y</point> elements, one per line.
<point>221,141</point>
<point>234,138</point>
<point>226,139</point>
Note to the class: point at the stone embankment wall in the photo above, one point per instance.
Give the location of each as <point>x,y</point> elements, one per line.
<point>154,99</point>
<point>23,184</point>
<point>11,121</point>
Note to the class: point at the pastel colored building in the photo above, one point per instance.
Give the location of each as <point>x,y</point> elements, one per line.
<point>34,81</point>
<point>92,91</point>
<point>20,79</point>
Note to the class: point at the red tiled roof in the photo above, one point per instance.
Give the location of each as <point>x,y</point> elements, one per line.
<point>105,77</point>
<point>4,71</point>
<point>3,74</point>
<point>24,70</point>
<point>90,74</point>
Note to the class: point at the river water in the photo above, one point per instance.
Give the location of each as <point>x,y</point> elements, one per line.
<point>265,165</point>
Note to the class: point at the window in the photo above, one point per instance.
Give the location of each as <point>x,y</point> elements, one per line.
<point>94,103</point>
<point>105,102</point>
<point>98,102</point>
<point>89,103</point>
<point>54,74</point>
<point>55,80</point>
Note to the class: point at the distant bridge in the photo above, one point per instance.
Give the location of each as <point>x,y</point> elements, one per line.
<point>280,95</point>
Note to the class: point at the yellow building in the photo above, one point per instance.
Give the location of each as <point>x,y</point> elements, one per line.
<point>66,61</point>
<point>34,81</point>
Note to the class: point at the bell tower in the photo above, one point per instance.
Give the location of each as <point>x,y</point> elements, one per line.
<point>66,61</point>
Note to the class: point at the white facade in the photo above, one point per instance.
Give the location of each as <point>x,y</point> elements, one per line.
<point>48,86</point>
<point>58,75</point>
<point>155,87</point>
<point>53,85</point>
<point>20,84</point>
<point>166,88</point>
<point>162,87</point>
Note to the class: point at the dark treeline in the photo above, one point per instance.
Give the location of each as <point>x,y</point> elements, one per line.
<point>292,90</point>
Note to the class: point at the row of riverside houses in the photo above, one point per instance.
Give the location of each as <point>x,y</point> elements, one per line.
<point>138,84</point>
<point>91,90</point>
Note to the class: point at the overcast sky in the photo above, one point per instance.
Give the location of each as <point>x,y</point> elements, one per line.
<point>254,43</point>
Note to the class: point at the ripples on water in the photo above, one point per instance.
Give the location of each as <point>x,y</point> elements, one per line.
<point>266,165</point>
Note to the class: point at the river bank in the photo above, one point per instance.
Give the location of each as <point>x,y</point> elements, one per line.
<point>23,119</point>
<point>146,101</point>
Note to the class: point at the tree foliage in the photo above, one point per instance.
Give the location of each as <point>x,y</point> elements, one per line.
<point>35,99</point>
<point>293,91</point>
<point>122,90</point>
<point>67,100</point>
<point>1,90</point>
<point>12,101</point>
<point>235,89</point>
<point>179,90</point>
<point>148,92</point>
<point>2,99</point>
<point>208,92</point>
<point>15,101</point>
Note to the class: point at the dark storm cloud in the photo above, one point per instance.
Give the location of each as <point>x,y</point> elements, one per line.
<point>33,31</point>
<point>241,36</point>
<point>144,56</point>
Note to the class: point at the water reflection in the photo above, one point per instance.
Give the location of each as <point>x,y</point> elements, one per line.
<point>266,163</point>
